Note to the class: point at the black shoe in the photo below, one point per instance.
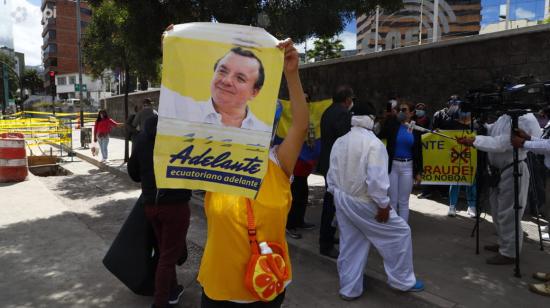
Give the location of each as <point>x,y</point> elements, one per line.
<point>500,260</point>
<point>331,253</point>
<point>293,233</point>
<point>493,248</point>
<point>307,226</point>
<point>175,295</point>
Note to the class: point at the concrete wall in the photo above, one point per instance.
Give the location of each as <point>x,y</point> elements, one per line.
<point>428,73</point>
<point>431,73</point>
<point>115,106</point>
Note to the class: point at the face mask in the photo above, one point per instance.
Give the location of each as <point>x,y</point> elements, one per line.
<point>377,128</point>
<point>464,115</point>
<point>452,109</point>
<point>401,116</point>
<point>350,106</point>
<point>420,113</point>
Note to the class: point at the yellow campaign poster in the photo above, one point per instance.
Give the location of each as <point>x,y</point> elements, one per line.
<point>446,162</point>
<point>220,84</point>
<point>316,110</point>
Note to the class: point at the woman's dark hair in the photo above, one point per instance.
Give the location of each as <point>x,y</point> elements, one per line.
<point>408,103</point>
<point>101,111</point>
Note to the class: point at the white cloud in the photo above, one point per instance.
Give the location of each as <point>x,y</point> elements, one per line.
<point>522,13</point>
<point>349,39</point>
<point>27,31</point>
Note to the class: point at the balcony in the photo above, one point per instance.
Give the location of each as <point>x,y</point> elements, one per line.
<point>49,38</point>
<point>44,2</point>
<point>50,25</point>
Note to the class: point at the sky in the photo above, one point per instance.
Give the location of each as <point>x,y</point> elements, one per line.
<point>27,30</point>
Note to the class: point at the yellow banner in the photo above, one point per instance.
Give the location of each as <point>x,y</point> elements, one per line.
<point>316,110</point>
<point>218,95</point>
<point>446,162</point>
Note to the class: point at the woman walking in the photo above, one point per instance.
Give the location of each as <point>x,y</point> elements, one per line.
<point>405,157</point>
<point>102,129</point>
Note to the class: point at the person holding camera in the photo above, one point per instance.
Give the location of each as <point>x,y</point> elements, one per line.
<point>500,154</point>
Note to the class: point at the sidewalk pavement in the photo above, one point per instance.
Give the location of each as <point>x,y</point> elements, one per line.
<point>444,252</point>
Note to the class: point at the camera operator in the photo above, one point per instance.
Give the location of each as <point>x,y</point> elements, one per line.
<point>501,193</point>
<point>538,146</point>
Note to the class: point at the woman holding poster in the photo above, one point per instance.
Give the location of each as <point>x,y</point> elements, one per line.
<point>227,252</point>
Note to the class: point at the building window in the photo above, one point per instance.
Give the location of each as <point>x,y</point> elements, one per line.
<point>61,81</point>
<point>86,11</point>
<point>72,79</point>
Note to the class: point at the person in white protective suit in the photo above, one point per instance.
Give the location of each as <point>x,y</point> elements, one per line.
<point>358,179</point>
<point>501,197</point>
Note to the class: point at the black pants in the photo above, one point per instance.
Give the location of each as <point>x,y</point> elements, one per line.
<point>206,302</point>
<point>300,194</point>
<point>326,236</point>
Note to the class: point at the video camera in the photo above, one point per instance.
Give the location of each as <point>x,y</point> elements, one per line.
<point>523,96</point>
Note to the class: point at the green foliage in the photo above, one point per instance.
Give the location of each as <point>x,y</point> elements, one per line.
<point>129,31</point>
<point>32,81</point>
<point>13,80</point>
<point>325,48</point>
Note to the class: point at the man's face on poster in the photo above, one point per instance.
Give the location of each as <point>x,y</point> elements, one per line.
<point>234,81</point>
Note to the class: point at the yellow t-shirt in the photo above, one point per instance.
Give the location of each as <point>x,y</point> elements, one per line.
<point>227,250</point>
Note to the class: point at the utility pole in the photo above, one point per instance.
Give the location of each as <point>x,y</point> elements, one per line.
<point>436,22</point>
<point>6,87</point>
<point>376,28</point>
<point>507,22</point>
<point>79,56</point>
<point>420,23</point>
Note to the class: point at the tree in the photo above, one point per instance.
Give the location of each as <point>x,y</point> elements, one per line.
<point>13,79</point>
<point>32,81</point>
<point>106,46</point>
<point>325,48</point>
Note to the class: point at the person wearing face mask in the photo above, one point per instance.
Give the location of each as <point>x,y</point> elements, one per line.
<point>358,179</point>
<point>421,117</point>
<point>405,158</point>
<point>335,122</point>
<point>462,122</point>
<point>444,116</point>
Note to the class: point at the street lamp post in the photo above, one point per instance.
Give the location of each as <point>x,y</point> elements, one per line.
<point>79,56</point>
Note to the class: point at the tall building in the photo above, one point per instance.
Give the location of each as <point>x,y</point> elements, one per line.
<point>59,49</point>
<point>399,29</point>
<point>6,24</point>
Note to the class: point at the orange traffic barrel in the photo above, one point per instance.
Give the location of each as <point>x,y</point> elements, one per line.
<point>13,158</point>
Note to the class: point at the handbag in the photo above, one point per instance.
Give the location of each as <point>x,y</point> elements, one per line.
<point>133,255</point>
<point>267,271</point>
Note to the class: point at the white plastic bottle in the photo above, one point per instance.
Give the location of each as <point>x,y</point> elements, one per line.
<point>265,249</point>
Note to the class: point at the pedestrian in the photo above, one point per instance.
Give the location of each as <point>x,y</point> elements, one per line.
<point>405,157</point>
<point>521,139</point>
<point>145,113</point>
<point>102,129</point>
<point>422,119</point>
<point>130,130</point>
<point>462,122</point>
<point>335,122</point>
<point>446,114</point>
<point>501,194</point>
<point>359,181</point>
<point>228,245</point>
<point>305,165</point>
<point>167,210</point>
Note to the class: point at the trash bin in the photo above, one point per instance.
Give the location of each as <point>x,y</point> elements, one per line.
<point>85,136</point>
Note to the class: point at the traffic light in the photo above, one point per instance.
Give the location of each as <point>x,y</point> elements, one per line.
<point>52,83</point>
